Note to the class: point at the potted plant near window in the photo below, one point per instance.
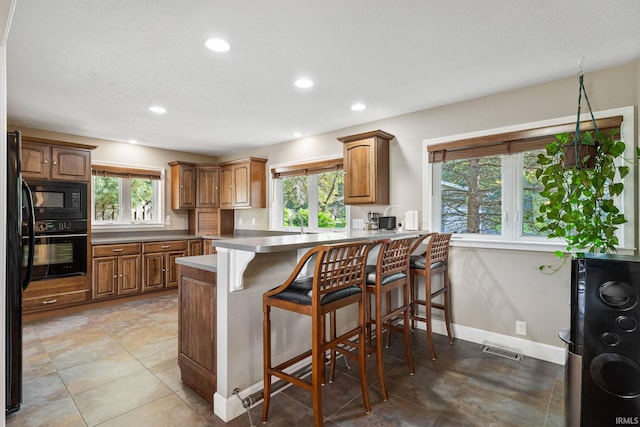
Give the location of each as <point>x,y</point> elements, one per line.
<point>580,199</point>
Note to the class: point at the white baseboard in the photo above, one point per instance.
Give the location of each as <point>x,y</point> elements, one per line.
<point>533,349</point>
<point>231,407</point>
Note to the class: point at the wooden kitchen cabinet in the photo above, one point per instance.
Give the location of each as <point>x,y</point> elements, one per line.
<point>243,183</point>
<point>194,247</point>
<point>366,168</point>
<point>197,343</point>
<point>159,264</point>
<point>42,160</point>
<point>116,270</point>
<point>207,246</point>
<point>207,186</point>
<point>43,295</point>
<point>183,185</point>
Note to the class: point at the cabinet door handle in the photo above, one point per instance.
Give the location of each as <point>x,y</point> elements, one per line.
<point>121,275</point>
<point>51,301</point>
<point>117,250</point>
<point>46,161</point>
<point>166,246</point>
<point>115,276</point>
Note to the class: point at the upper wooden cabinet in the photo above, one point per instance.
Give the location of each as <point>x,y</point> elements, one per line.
<point>243,183</point>
<point>366,168</point>
<point>42,160</point>
<point>207,186</point>
<point>183,185</point>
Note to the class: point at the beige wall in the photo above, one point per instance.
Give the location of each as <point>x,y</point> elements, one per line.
<point>133,155</point>
<point>491,288</point>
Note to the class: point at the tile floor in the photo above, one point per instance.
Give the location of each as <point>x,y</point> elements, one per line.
<point>117,366</point>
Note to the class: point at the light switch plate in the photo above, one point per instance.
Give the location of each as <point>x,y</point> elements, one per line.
<point>357,224</point>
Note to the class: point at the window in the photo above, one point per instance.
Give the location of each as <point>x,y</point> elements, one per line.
<point>484,187</point>
<point>309,195</point>
<point>124,196</point>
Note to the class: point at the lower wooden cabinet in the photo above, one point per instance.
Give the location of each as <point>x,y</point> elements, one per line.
<point>50,294</point>
<point>195,247</point>
<point>116,270</point>
<point>159,264</point>
<point>197,330</point>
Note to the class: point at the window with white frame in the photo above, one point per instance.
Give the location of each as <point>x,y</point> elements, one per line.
<point>126,195</point>
<point>309,196</point>
<point>484,187</point>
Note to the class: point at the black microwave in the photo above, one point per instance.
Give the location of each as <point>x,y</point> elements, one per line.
<point>59,199</point>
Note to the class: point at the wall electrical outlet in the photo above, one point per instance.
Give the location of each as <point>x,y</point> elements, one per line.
<point>521,327</point>
<point>358,224</point>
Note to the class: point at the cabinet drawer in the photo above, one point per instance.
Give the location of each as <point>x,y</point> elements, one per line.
<point>172,245</point>
<point>111,250</point>
<point>51,301</point>
<point>44,288</point>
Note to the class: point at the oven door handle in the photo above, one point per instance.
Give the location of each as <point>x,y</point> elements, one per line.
<point>31,227</point>
<point>58,236</point>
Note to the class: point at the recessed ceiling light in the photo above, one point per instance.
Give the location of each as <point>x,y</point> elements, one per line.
<point>303,83</point>
<point>217,45</point>
<point>358,107</point>
<point>133,141</point>
<point>297,134</point>
<point>158,109</point>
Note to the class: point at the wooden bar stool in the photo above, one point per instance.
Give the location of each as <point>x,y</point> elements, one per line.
<point>391,272</point>
<point>338,280</point>
<point>435,260</point>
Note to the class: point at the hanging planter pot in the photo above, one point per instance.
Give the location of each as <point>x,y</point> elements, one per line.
<point>579,155</point>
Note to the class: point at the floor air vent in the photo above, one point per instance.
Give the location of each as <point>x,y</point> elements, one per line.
<point>497,351</point>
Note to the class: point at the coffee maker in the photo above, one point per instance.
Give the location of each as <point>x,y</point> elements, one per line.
<point>372,221</point>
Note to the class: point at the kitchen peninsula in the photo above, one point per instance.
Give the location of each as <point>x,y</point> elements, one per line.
<point>220,319</point>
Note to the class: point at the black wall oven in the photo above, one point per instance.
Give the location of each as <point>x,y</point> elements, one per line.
<point>60,211</point>
<point>60,249</point>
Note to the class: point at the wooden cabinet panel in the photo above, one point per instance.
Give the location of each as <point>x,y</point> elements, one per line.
<point>105,277</point>
<point>208,186</point>
<point>172,268</point>
<point>366,168</point>
<point>197,341</point>
<point>153,271</point>
<point>169,245</point>
<point>112,250</point>
<point>130,274</point>
<point>70,164</point>
<point>195,247</point>
<point>46,161</point>
<point>183,185</point>
<point>243,183</point>
<point>226,187</point>
<point>47,294</point>
<point>36,160</point>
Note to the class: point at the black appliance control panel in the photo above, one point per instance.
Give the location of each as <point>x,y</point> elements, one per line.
<point>61,227</point>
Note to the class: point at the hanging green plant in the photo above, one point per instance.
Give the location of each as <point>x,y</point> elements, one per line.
<point>579,202</point>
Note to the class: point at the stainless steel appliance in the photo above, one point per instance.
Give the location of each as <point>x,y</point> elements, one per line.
<point>372,221</point>
<point>387,222</point>
<point>605,316</point>
<point>19,211</point>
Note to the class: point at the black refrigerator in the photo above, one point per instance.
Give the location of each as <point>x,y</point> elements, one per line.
<point>19,256</point>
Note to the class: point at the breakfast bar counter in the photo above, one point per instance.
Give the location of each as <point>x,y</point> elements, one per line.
<point>220,320</point>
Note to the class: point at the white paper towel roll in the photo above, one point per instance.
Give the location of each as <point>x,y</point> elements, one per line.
<point>411,220</point>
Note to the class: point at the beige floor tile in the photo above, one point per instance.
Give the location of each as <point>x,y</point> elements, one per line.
<point>138,335</point>
<point>119,396</point>
<point>87,351</point>
<point>61,412</point>
<point>92,374</point>
<point>169,373</point>
<point>155,352</point>
<point>169,411</point>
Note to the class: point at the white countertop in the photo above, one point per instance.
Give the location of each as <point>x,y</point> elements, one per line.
<point>201,262</point>
<point>267,244</point>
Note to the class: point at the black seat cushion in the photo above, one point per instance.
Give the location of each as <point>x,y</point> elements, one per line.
<point>419,262</point>
<point>371,276</point>
<point>300,292</point>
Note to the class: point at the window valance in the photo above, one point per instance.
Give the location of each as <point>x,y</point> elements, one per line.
<point>307,168</point>
<point>125,172</point>
<point>512,142</point>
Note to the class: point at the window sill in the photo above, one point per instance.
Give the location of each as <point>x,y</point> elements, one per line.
<point>98,228</point>
<point>531,246</point>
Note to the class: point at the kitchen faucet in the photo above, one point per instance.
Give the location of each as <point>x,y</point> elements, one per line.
<point>301,222</point>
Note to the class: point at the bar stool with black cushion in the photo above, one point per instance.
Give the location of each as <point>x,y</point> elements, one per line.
<point>436,257</point>
<point>390,273</point>
<point>338,280</point>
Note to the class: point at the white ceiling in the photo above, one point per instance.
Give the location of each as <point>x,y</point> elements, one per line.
<point>93,67</point>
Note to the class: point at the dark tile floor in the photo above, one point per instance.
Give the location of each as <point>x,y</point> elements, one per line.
<point>117,366</point>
